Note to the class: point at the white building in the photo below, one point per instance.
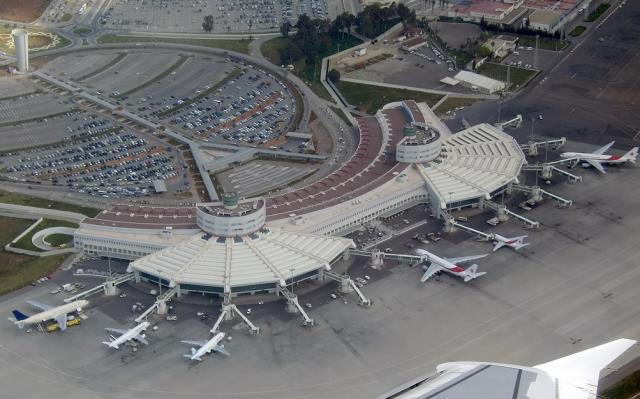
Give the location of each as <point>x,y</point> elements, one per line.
<point>479,82</point>
<point>21,43</point>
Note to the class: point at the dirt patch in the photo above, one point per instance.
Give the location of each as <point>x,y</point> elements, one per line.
<point>22,10</point>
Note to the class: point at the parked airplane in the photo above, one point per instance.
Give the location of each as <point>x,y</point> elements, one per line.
<point>598,157</point>
<point>133,334</point>
<point>205,347</point>
<point>448,265</point>
<point>511,242</point>
<point>57,313</point>
<point>572,377</point>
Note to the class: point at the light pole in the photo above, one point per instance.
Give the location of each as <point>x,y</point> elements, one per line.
<point>292,270</point>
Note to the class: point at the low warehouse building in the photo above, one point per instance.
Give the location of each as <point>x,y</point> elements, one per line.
<point>479,82</point>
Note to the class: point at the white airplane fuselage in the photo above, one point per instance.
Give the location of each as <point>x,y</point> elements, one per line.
<point>583,156</point>
<point>53,313</point>
<point>208,346</point>
<point>129,335</point>
<point>443,263</point>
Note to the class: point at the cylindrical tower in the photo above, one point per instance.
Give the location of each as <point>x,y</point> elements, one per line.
<point>21,43</point>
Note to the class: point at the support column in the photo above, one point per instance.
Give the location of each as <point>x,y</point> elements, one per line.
<point>547,172</point>
<point>502,213</point>
<point>376,261</point>
<point>137,276</point>
<point>162,307</point>
<point>345,286</point>
<point>536,194</point>
<point>346,255</point>
<point>448,226</point>
<point>533,149</point>
<point>110,288</point>
<point>291,305</point>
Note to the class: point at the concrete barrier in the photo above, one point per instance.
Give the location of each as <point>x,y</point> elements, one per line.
<point>38,239</point>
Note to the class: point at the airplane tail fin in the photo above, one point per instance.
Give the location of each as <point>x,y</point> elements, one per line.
<point>109,344</point>
<point>19,316</point>
<point>472,273</point>
<point>581,371</point>
<point>631,155</point>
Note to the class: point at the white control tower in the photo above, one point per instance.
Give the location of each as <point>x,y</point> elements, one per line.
<point>21,43</point>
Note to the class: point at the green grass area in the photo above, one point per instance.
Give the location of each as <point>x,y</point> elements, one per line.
<point>623,389</point>
<point>22,199</point>
<point>35,40</point>
<point>232,75</point>
<point>66,17</point>
<point>544,43</point>
<point>451,103</point>
<point>519,77</point>
<point>82,31</point>
<point>98,71</point>
<point>308,72</point>
<point>240,46</point>
<point>25,242</point>
<point>56,240</point>
<point>370,98</point>
<point>577,31</point>
<point>16,270</point>
<point>595,14</point>
<point>157,78</point>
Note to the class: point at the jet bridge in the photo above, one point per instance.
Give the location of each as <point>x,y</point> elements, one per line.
<point>504,213</point>
<point>546,170</point>
<point>378,256</point>
<point>229,310</point>
<point>160,304</point>
<point>347,285</point>
<point>482,235</point>
<point>532,147</point>
<point>108,287</point>
<point>293,305</point>
<point>514,123</point>
<point>537,193</point>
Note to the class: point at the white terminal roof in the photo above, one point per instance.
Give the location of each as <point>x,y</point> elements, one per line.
<point>479,81</point>
<point>450,81</point>
<point>474,163</point>
<point>267,256</point>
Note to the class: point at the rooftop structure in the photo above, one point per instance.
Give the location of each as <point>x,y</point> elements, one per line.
<point>475,163</point>
<point>545,20</point>
<point>261,261</point>
<point>231,216</point>
<point>479,82</point>
<point>420,143</point>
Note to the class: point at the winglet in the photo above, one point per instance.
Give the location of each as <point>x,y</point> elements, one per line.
<point>581,371</point>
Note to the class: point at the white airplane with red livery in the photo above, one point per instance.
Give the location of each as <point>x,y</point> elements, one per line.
<point>448,265</point>
<point>598,157</point>
<point>511,242</point>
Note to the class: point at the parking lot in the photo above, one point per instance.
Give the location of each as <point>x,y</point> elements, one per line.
<point>101,161</point>
<point>259,177</point>
<point>235,16</point>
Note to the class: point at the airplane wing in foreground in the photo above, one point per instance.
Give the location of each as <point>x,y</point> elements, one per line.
<point>578,374</point>
<point>604,149</point>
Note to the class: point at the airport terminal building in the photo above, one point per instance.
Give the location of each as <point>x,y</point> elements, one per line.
<point>406,156</point>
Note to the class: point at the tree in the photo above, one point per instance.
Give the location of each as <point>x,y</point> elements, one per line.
<point>285,28</point>
<point>334,76</point>
<point>207,24</point>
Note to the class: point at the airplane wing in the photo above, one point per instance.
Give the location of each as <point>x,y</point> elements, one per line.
<point>433,269</point>
<point>220,349</point>
<point>116,330</point>
<point>194,343</point>
<point>604,149</point>
<point>38,305</point>
<point>578,374</point>
<point>596,164</point>
<point>140,338</point>
<point>465,258</point>
<point>498,245</point>
<point>62,321</point>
